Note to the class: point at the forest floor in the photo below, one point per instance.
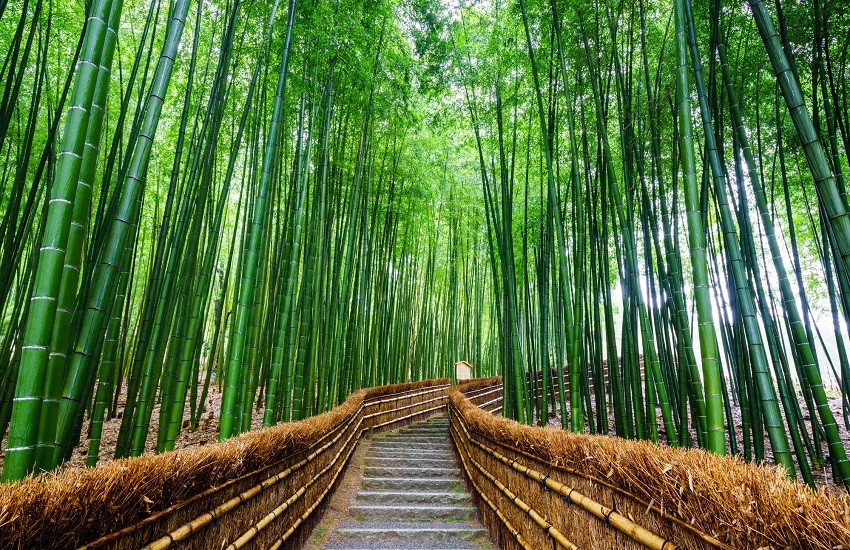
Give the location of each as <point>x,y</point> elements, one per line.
<point>206,432</point>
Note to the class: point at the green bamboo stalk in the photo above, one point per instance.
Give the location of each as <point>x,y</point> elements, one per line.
<point>244,308</point>
<point>716,439</point>
<point>82,361</point>
<point>22,443</point>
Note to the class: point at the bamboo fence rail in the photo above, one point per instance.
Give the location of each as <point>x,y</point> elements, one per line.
<point>535,487</point>
<point>548,488</point>
<point>262,489</point>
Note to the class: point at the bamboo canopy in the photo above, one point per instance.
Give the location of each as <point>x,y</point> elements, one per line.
<point>634,212</point>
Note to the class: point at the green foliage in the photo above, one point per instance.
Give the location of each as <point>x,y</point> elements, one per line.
<point>420,192</point>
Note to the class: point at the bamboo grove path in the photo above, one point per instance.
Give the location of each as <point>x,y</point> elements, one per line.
<point>410,495</point>
<point>422,465</point>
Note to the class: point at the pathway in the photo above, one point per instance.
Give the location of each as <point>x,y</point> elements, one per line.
<point>410,496</point>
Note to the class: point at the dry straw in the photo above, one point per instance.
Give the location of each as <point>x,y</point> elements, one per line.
<point>683,491</point>
<point>71,507</point>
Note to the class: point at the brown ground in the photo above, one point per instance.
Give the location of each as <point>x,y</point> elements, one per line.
<point>207,431</point>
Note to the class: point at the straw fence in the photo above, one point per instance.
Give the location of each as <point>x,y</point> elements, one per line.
<point>536,488</point>
<point>540,488</point>
<point>264,489</point>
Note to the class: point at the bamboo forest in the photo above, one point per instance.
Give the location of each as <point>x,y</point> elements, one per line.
<point>230,214</point>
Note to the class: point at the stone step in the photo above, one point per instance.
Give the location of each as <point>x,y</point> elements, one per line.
<point>421,428</point>
<point>414,437</point>
<point>411,432</point>
<point>419,462</point>
<point>402,545</point>
<point>409,471</point>
<point>396,445</point>
<point>393,532</point>
<point>424,429</point>
<point>443,446</point>
<point>406,453</point>
<point>411,451</point>
<point>412,483</point>
<point>413,497</point>
<point>412,512</point>
<point>442,434</point>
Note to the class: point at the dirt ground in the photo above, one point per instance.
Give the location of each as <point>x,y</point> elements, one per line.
<point>206,433</point>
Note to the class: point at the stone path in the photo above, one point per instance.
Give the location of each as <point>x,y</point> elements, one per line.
<point>410,496</point>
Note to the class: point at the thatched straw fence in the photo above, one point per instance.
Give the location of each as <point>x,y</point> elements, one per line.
<point>546,488</point>
<point>264,489</point>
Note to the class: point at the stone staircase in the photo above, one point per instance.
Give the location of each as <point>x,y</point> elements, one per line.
<point>410,496</point>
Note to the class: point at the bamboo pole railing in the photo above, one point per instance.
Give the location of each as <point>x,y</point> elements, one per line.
<point>602,512</point>
<point>216,514</point>
<point>268,488</point>
<point>288,495</point>
<point>527,504</point>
